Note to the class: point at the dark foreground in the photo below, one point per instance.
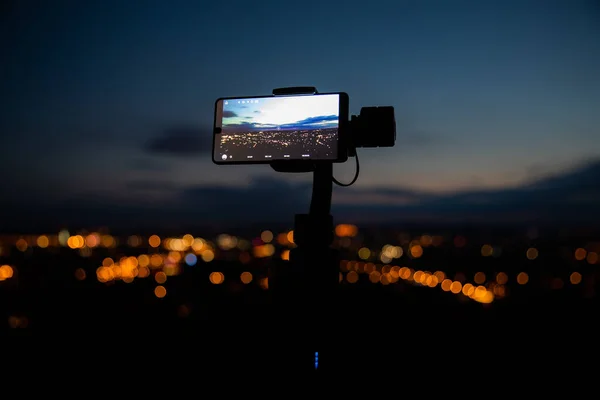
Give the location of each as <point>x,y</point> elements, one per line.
<point>400,328</point>
<point>63,320</point>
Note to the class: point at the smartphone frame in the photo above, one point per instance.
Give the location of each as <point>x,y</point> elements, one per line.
<point>343,121</point>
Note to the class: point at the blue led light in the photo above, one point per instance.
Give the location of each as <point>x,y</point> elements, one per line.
<point>316,359</point>
<point>191,259</point>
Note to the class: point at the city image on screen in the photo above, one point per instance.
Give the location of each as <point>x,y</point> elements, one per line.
<point>278,128</point>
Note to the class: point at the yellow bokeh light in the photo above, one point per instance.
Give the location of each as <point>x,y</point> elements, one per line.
<point>532,253</point>
<point>43,241</point>
<point>468,289</point>
<point>143,272</point>
<point>208,255</point>
<point>426,240</point>
<point>479,278</point>
<point>198,245</point>
<point>160,291</point>
<point>440,275</point>
<point>501,278</point>
<point>6,272</point>
<point>264,250</point>
<point>431,281</point>
<point>21,244</point>
<point>346,230</point>
<point>216,278</point>
<point>143,260</point>
<point>154,241</point>
<point>483,296</point>
<point>108,241</point>
<point>76,242</point>
<point>160,277</point>
<point>446,284</point>
<point>156,260</point>
<point>364,253</point>
<point>266,236</point>
<point>416,251</point>
<point>352,277</point>
<point>375,276</point>
<point>456,287</point>
<point>246,277</point>
<point>580,254</point>
<point>174,256</point>
<point>487,250</point>
<point>92,240</point>
<point>522,278</point>
<point>105,274</point>
<point>188,240</point>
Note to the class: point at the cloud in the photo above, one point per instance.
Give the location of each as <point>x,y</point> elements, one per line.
<point>181,141</point>
<point>568,197</point>
<point>571,197</point>
<point>316,122</point>
<point>229,114</point>
<point>582,176</point>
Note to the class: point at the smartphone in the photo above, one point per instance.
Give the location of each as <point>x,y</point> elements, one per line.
<point>260,130</point>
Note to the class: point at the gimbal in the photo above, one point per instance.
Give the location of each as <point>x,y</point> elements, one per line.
<point>304,290</point>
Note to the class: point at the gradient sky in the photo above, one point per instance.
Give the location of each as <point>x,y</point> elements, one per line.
<point>98,96</point>
<point>273,112</point>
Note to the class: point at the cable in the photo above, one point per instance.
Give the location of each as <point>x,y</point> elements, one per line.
<point>355,174</point>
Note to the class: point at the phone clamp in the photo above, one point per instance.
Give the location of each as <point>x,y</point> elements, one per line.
<point>288,91</point>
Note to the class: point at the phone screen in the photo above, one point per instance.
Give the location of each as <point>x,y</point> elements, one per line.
<point>265,129</point>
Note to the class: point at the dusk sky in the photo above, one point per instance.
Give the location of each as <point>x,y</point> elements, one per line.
<point>113,101</point>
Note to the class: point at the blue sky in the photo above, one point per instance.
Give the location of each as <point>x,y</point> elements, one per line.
<point>287,112</point>
<point>100,97</point>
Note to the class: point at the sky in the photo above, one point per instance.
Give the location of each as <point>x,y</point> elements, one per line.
<point>110,104</point>
<point>288,112</point>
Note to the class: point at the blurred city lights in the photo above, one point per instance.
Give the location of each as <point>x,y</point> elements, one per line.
<point>403,262</point>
